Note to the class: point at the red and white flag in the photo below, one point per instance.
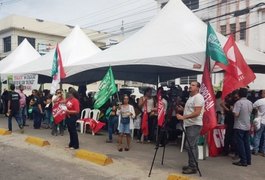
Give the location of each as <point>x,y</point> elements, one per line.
<point>238,73</point>
<point>94,125</point>
<point>57,70</point>
<point>209,116</point>
<point>160,109</point>
<point>59,112</point>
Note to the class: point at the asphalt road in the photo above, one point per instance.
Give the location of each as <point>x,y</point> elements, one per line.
<point>22,164</point>
<point>22,161</point>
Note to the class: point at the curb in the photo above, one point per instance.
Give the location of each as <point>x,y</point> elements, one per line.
<point>4,132</point>
<point>97,158</point>
<point>178,177</point>
<point>37,141</point>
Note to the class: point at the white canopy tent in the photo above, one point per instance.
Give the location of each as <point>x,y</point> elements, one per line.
<point>74,47</point>
<point>23,54</point>
<point>171,45</point>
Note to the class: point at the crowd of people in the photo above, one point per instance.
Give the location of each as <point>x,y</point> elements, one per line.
<point>38,108</point>
<point>240,112</point>
<point>244,117</point>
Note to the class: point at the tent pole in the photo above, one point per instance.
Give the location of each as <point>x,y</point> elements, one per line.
<point>0,85</point>
<point>158,81</point>
<point>61,85</point>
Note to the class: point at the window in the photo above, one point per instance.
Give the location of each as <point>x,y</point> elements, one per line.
<point>188,79</point>
<point>233,29</point>
<point>192,4</point>
<point>7,44</point>
<point>30,40</point>
<point>243,30</point>
<point>223,29</point>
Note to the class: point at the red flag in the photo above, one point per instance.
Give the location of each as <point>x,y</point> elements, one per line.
<point>145,121</point>
<point>238,73</point>
<point>209,116</point>
<point>160,109</point>
<point>94,124</point>
<point>58,112</point>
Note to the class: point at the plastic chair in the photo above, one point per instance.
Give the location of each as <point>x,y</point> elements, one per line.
<point>84,114</point>
<point>94,114</point>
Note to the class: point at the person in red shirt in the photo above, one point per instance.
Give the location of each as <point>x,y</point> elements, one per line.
<point>72,115</point>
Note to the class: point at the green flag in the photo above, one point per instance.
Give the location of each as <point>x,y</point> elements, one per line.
<point>55,63</point>
<point>214,49</point>
<point>107,88</point>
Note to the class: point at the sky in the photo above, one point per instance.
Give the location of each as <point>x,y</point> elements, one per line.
<point>102,15</point>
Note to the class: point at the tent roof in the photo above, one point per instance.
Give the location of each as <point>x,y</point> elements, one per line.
<point>23,54</point>
<point>171,45</point>
<point>74,47</point>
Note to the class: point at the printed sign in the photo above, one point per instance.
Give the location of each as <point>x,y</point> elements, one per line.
<point>29,81</point>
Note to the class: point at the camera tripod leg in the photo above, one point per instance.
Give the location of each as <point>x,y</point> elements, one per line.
<point>193,156</point>
<point>164,148</point>
<point>157,146</point>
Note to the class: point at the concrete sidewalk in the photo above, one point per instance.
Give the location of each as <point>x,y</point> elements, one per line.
<point>134,164</point>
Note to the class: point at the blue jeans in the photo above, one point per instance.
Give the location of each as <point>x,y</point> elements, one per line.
<point>47,116</point>
<point>18,119</point>
<point>257,139</point>
<point>23,114</point>
<point>243,146</point>
<point>112,121</point>
<point>36,120</point>
<point>124,128</point>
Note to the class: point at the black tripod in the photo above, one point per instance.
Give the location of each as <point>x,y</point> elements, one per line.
<point>163,136</point>
<point>161,142</point>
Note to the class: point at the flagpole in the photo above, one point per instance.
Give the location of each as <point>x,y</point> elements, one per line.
<point>157,130</point>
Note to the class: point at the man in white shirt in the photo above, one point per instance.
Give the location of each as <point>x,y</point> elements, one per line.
<point>192,117</point>
<point>260,106</point>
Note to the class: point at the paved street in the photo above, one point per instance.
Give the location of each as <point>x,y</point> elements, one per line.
<point>20,160</point>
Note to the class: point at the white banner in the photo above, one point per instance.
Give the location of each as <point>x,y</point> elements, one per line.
<point>29,81</point>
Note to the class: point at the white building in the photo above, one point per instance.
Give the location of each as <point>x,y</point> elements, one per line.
<point>244,18</point>
<point>43,35</point>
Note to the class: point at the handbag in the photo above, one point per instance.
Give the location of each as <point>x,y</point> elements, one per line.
<point>125,120</point>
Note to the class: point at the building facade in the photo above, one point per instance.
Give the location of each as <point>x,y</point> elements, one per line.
<point>42,35</point>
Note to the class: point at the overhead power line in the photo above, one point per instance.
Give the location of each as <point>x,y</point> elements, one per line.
<point>237,12</point>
